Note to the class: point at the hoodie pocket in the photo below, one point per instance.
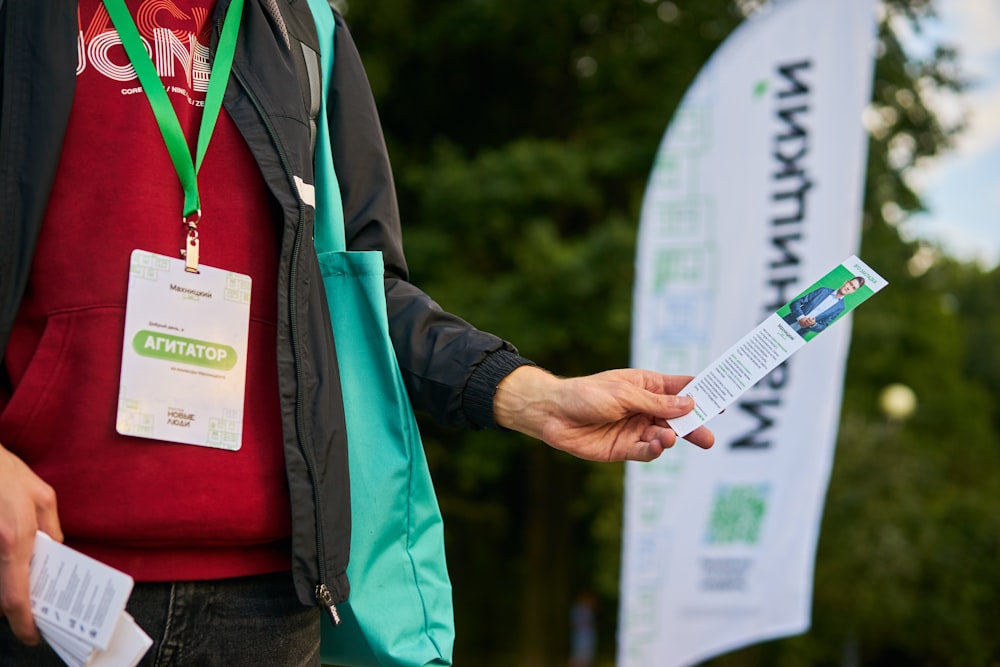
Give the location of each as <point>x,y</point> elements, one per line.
<point>71,378</point>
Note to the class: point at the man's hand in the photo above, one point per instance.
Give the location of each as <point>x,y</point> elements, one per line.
<point>27,504</point>
<point>616,415</point>
<point>806,322</point>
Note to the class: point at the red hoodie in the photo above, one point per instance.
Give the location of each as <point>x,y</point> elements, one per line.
<point>157,510</point>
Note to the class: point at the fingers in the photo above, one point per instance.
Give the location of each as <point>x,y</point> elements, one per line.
<point>16,546</point>
<point>657,395</point>
<point>675,406</point>
<point>655,440</point>
<point>645,452</point>
<point>27,504</point>
<point>15,602</point>
<point>702,437</point>
<point>672,406</point>
<point>658,437</point>
<point>665,390</point>
<point>48,512</point>
<point>663,384</point>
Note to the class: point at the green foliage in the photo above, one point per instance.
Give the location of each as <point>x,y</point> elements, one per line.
<point>522,133</point>
<point>516,226</point>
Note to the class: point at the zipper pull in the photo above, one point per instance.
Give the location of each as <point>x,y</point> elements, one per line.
<point>325,598</point>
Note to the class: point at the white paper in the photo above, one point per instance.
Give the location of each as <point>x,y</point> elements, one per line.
<point>183,372</point>
<point>764,348</point>
<point>79,608</point>
<point>75,593</point>
<point>128,644</point>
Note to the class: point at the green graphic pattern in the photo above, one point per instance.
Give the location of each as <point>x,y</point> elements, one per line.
<point>131,419</point>
<point>738,514</point>
<point>684,267</point>
<point>237,288</point>
<point>147,266</point>
<point>224,432</point>
<point>690,130</point>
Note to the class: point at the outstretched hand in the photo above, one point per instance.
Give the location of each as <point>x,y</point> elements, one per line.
<point>617,415</point>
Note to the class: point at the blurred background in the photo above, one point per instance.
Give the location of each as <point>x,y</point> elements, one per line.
<point>522,133</point>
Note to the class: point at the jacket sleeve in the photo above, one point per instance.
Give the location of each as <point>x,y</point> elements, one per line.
<point>796,306</point>
<point>450,368</point>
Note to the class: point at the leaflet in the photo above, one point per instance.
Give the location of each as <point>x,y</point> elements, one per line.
<point>79,607</point>
<point>775,339</point>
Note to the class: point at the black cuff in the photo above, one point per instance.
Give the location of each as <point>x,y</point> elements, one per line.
<point>477,397</point>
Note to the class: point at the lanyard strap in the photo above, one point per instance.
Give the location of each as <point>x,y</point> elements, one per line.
<point>166,118</point>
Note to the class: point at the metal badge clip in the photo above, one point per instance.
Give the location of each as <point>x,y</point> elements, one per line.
<point>190,250</point>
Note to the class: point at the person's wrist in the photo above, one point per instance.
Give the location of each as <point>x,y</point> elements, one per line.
<point>481,388</point>
<point>523,400</point>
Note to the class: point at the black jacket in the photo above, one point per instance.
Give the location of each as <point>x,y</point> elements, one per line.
<point>450,368</point>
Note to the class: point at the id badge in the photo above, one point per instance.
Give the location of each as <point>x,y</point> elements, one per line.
<point>183,376</point>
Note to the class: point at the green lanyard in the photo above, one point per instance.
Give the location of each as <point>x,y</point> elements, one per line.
<point>166,118</point>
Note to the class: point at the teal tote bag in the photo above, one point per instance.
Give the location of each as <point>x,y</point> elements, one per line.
<point>400,612</point>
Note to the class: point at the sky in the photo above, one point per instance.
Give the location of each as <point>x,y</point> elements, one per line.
<point>962,189</point>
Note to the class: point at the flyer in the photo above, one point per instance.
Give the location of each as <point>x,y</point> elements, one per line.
<point>777,338</point>
<point>79,607</point>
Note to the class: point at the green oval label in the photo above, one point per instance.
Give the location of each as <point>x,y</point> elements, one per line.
<point>184,350</point>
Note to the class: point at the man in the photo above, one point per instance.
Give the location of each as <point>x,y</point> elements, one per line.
<point>818,309</point>
<point>228,548</point>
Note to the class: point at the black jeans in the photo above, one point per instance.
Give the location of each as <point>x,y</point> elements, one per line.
<point>227,622</point>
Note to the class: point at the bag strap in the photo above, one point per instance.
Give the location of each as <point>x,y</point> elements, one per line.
<point>329,226</point>
<point>297,28</point>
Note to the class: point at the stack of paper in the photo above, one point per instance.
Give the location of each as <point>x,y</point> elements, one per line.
<point>79,608</point>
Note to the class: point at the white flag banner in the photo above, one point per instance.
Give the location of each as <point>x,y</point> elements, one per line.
<point>755,193</point>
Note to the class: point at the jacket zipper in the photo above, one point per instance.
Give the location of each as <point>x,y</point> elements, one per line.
<point>322,591</point>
